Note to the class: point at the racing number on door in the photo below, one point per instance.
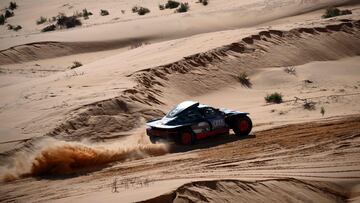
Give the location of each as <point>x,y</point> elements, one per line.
<point>217,123</point>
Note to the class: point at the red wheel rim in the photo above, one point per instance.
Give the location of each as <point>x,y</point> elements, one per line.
<point>186,138</point>
<point>244,125</point>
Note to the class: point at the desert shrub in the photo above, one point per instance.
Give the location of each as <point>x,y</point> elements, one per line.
<point>8,14</point>
<point>345,12</point>
<point>142,11</point>
<point>135,9</point>
<point>290,70</point>
<point>204,2</point>
<point>41,20</point>
<point>161,7</point>
<point>333,11</point>
<point>12,5</point>
<point>274,98</point>
<point>10,27</point>
<point>86,13</point>
<point>2,19</point>
<point>308,81</point>
<point>184,7</point>
<point>67,22</point>
<point>172,4</point>
<point>244,79</point>
<point>16,28</point>
<point>104,12</point>
<point>76,64</point>
<point>49,28</point>
<point>322,111</point>
<point>309,105</point>
<point>52,19</point>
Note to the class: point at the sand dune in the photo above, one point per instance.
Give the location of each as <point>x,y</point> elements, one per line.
<point>286,190</point>
<point>270,48</point>
<point>77,135</point>
<point>130,29</point>
<point>45,50</point>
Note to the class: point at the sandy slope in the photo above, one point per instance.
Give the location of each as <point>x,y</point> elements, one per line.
<point>76,130</point>
<point>321,153</point>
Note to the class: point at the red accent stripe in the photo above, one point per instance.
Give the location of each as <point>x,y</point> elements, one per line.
<point>210,133</point>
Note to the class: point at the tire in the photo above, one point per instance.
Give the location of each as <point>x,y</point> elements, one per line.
<point>186,138</point>
<point>153,139</point>
<point>242,126</point>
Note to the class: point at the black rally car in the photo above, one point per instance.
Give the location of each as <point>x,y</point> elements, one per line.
<point>190,121</point>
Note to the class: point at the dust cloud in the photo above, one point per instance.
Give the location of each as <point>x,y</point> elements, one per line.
<point>51,157</point>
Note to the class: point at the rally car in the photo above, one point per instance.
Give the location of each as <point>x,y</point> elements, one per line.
<point>190,121</point>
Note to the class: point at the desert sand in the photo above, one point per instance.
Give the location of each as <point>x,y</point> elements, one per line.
<point>78,135</point>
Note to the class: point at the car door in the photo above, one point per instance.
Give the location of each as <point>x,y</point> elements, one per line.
<point>215,118</point>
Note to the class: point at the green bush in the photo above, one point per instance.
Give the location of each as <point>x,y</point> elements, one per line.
<point>274,98</point>
<point>49,28</point>
<point>184,7</point>
<point>104,12</point>
<point>41,20</point>
<point>12,5</point>
<point>161,7</point>
<point>172,4</point>
<point>142,11</point>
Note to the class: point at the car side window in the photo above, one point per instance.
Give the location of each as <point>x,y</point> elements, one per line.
<point>190,115</point>
<point>209,112</point>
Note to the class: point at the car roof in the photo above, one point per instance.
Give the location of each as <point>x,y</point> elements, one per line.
<point>181,107</point>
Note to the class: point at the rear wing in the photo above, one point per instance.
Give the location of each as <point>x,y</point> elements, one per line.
<point>229,112</point>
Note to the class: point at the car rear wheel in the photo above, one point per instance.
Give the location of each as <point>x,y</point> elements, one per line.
<point>153,139</point>
<point>186,138</point>
<point>242,126</point>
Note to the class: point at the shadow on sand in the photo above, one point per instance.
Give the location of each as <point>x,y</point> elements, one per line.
<point>209,142</point>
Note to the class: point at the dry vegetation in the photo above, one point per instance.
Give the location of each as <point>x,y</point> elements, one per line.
<point>274,98</point>
<point>9,12</point>
<point>244,79</point>
<point>76,64</point>
<point>333,12</point>
<point>290,70</point>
